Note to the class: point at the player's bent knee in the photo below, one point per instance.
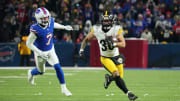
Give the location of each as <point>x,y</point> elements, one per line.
<point>57,67</point>
<point>115,74</point>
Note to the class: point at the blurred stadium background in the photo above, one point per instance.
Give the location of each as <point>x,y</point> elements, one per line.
<point>152,32</point>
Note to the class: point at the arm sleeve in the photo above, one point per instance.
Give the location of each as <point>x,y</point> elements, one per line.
<point>30,43</point>
<point>58,26</point>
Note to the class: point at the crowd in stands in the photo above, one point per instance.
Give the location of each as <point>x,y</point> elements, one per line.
<point>158,21</point>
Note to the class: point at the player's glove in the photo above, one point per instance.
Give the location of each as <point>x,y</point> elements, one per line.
<point>81,53</point>
<point>68,27</point>
<point>44,55</point>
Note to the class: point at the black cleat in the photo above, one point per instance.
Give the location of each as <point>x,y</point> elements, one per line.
<point>132,97</point>
<point>107,81</point>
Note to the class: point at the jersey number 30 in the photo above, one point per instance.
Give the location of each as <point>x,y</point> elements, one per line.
<point>105,46</point>
<point>49,37</point>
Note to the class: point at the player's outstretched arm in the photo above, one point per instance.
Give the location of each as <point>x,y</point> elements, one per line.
<point>59,26</point>
<point>89,37</point>
<point>30,43</point>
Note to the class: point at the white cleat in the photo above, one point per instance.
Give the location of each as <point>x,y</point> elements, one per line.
<point>30,78</point>
<point>66,92</point>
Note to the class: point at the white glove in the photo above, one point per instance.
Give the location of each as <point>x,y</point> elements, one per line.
<point>81,53</point>
<point>68,27</point>
<point>43,55</point>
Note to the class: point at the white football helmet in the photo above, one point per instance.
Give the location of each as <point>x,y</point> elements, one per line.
<point>43,17</point>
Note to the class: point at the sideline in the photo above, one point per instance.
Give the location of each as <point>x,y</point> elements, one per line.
<point>98,68</point>
<point>66,68</point>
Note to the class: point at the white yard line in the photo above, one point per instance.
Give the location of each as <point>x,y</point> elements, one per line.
<point>12,77</point>
<point>68,74</point>
<point>2,81</point>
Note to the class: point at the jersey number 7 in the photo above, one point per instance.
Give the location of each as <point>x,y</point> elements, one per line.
<point>49,37</point>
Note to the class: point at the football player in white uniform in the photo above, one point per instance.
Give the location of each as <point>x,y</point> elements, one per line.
<point>110,39</point>
<point>40,41</point>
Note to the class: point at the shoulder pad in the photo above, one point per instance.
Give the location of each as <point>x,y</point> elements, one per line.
<point>34,28</point>
<point>96,27</point>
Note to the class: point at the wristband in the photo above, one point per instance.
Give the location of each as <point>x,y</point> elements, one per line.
<point>81,50</point>
<point>114,44</point>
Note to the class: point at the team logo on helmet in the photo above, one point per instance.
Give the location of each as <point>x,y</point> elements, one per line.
<point>38,11</point>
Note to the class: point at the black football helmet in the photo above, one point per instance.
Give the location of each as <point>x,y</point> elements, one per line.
<point>107,21</point>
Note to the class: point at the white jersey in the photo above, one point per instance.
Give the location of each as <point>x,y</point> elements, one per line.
<point>105,50</point>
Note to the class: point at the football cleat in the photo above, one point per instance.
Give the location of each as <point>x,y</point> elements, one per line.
<point>107,81</point>
<point>30,78</point>
<point>131,96</point>
<point>66,92</point>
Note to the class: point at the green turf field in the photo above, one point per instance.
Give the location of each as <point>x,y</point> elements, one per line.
<point>87,85</point>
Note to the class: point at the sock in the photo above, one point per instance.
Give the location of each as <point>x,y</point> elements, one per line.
<point>128,93</point>
<point>59,73</point>
<point>111,78</point>
<point>120,83</point>
<point>35,72</point>
<point>63,86</point>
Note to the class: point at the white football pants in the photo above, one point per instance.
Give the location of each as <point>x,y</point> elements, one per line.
<point>40,62</point>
